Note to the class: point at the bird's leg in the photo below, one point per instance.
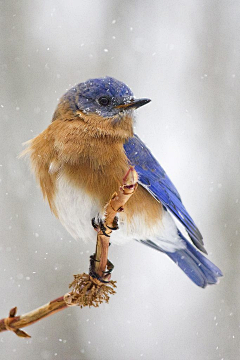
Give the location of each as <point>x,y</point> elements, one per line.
<point>98,223</point>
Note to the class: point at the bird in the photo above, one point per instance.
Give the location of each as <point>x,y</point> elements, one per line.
<point>80,159</point>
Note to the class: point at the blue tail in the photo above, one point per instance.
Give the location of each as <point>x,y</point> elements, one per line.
<point>195,265</point>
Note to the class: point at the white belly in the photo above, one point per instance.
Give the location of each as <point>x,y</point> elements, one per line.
<point>76,209</point>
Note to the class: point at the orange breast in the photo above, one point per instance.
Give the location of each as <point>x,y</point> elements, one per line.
<point>91,161</point>
<point>103,181</point>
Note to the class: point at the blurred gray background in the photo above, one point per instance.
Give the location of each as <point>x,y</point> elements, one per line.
<point>184,55</point>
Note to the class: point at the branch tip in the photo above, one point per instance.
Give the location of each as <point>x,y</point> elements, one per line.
<point>13,312</point>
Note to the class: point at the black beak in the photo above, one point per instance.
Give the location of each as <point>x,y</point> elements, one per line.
<point>134,104</point>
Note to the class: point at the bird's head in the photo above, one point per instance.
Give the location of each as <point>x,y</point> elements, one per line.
<point>100,102</point>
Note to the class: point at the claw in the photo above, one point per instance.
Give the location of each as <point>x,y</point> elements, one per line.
<point>115,224</point>
<point>94,223</point>
<point>112,228</point>
<point>92,258</point>
<point>108,271</point>
<point>110,266</point>
<point>99,224</point>
<point>102,227</point>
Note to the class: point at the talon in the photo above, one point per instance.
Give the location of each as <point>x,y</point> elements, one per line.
<point>112,228</point>
<point>108,272</point>
<point>115,224</point>
<point>103,229</point>
<point>98,224</point>
<point>94,223</point>
<point>92,257</point>
<point>110,266</point>
<point>103,279</point>
<point>93,274</point>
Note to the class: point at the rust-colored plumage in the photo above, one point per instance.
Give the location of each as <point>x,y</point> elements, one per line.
<point>84,149</point>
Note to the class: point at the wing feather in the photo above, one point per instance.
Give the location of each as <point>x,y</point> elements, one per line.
<point>153,178</point>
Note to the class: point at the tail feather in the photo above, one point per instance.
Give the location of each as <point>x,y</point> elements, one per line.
<point>195,265</point>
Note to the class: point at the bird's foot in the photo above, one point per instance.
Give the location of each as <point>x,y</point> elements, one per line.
<point>115,224</point>
<point>106,275</point>
<point>98,224</point>
<point>110,267</point>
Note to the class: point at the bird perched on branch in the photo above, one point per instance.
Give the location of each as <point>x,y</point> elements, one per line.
<point>80,160</point>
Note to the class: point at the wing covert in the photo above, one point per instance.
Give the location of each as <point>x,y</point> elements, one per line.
<point>154,179</point>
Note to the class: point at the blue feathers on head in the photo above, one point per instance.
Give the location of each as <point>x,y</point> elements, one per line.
<point>101,96</point>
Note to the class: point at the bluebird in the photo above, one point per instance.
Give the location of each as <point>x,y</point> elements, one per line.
<point>81,159</point>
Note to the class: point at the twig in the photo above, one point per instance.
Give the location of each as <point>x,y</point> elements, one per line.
<point>86,290</point>
<point>14,323</point>
<point>115,205</point>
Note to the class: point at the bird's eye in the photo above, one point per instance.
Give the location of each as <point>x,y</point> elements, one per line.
<point>104,101</point>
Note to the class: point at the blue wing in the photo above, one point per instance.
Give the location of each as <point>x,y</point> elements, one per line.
<point>153,178</point>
